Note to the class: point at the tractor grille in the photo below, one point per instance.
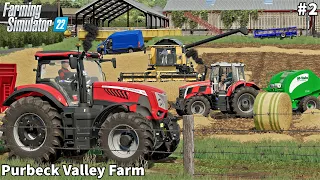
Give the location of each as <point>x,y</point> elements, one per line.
<point>117,93</point>
<point>181,93</point>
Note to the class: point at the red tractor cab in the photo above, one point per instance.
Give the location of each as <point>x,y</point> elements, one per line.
<point>72,109</point>
<point>227,91</point>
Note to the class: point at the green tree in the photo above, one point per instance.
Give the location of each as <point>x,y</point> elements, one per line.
<point>66,4</point>
<point>178,18</point>
<point>240,16</point>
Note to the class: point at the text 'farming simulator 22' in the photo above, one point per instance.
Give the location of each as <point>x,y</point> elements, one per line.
<point>159,89</point>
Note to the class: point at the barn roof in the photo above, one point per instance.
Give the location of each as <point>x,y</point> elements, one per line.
<point>110,9</point>
<point>192,5</point>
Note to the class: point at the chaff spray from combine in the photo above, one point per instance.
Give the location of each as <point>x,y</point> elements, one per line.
<point>170,61</point>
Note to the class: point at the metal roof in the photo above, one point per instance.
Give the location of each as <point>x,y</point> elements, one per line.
<point>181,5</point>
<point>69,11</point>
<point>192,5</point>
<point>111,9</point>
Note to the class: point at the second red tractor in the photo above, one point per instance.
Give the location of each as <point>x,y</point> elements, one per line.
<point>226,90</point>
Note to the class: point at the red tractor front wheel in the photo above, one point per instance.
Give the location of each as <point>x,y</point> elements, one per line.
<point>127,138</point>
<point>242,101</point>
<point>198,105</point>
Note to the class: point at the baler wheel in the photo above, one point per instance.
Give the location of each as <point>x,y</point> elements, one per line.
<point>309,102</point>
<point>127,138</point>
<point>32,129</point>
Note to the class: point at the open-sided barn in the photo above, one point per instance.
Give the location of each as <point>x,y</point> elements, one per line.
<point>272,13</point>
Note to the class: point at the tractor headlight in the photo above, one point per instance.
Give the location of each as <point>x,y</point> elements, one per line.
<point>277,85</point>
<point>162,100</point>
<point>181,92</point>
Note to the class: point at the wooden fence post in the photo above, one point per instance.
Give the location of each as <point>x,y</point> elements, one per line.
<point>188,144</point>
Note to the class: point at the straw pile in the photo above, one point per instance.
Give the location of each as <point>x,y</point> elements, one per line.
<point>273,111</point>
<point>309,119</point>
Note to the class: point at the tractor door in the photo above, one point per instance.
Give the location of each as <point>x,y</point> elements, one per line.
<point>215,78</point>
<point>235,73</point>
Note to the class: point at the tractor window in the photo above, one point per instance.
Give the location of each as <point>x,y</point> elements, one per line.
<point>51,70</point>
<point>214,75</point>
<point>60,76</point>
<point>93,70</point>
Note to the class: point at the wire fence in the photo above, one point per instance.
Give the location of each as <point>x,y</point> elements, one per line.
<point>220,149</point>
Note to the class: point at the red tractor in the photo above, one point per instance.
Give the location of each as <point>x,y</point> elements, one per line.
<point>227,91</point>
<point>71,114</point>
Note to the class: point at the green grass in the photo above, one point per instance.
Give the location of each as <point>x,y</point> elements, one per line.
<point>69,44</point>
<point>243,39</point>
<point>275,160</point>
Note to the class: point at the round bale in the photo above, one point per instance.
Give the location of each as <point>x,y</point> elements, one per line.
<point>272,111</point>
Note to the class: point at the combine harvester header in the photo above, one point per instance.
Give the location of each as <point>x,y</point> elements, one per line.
<point>148,34</point>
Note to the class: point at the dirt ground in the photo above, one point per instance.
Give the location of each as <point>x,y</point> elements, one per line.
<point>262,61</point>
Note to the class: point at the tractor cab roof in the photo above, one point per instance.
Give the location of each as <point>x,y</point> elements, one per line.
<point>61,55</point>
<point>225,64</point>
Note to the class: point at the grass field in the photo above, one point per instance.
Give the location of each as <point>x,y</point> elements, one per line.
<point>218,157</point>
<point>244,39</point>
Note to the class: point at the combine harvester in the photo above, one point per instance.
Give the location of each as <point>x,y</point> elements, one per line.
<point>8,77</point>
<point>302,87</point>
<point>170,61</point>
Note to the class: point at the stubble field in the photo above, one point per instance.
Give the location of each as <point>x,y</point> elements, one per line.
<point>220,134</point>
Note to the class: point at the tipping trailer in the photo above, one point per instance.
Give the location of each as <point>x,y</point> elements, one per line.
<point>8,77</point>
<point>170,61</point>
<point>276,32</point>
<point>301,85</point>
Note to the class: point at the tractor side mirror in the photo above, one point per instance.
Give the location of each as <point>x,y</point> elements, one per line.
<point>73,62</point>
<point>114,62</point>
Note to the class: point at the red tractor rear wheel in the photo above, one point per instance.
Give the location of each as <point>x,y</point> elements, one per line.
<point>242,101</point>
<point>32,129</point>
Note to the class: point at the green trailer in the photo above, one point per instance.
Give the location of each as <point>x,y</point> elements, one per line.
<point>303,87</point>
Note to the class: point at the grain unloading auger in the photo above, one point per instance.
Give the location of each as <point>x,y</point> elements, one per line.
<point>170,60</point>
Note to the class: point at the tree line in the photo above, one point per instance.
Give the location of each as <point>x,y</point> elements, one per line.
<point>21,39</point>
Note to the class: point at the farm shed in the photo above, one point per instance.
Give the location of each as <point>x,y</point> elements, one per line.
<point>99,11</point>
<point>71,14</point>
<point>272,13</point>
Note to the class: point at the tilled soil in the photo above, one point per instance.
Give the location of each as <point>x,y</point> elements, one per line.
<point>241,45</point>
<point>264,65</point>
